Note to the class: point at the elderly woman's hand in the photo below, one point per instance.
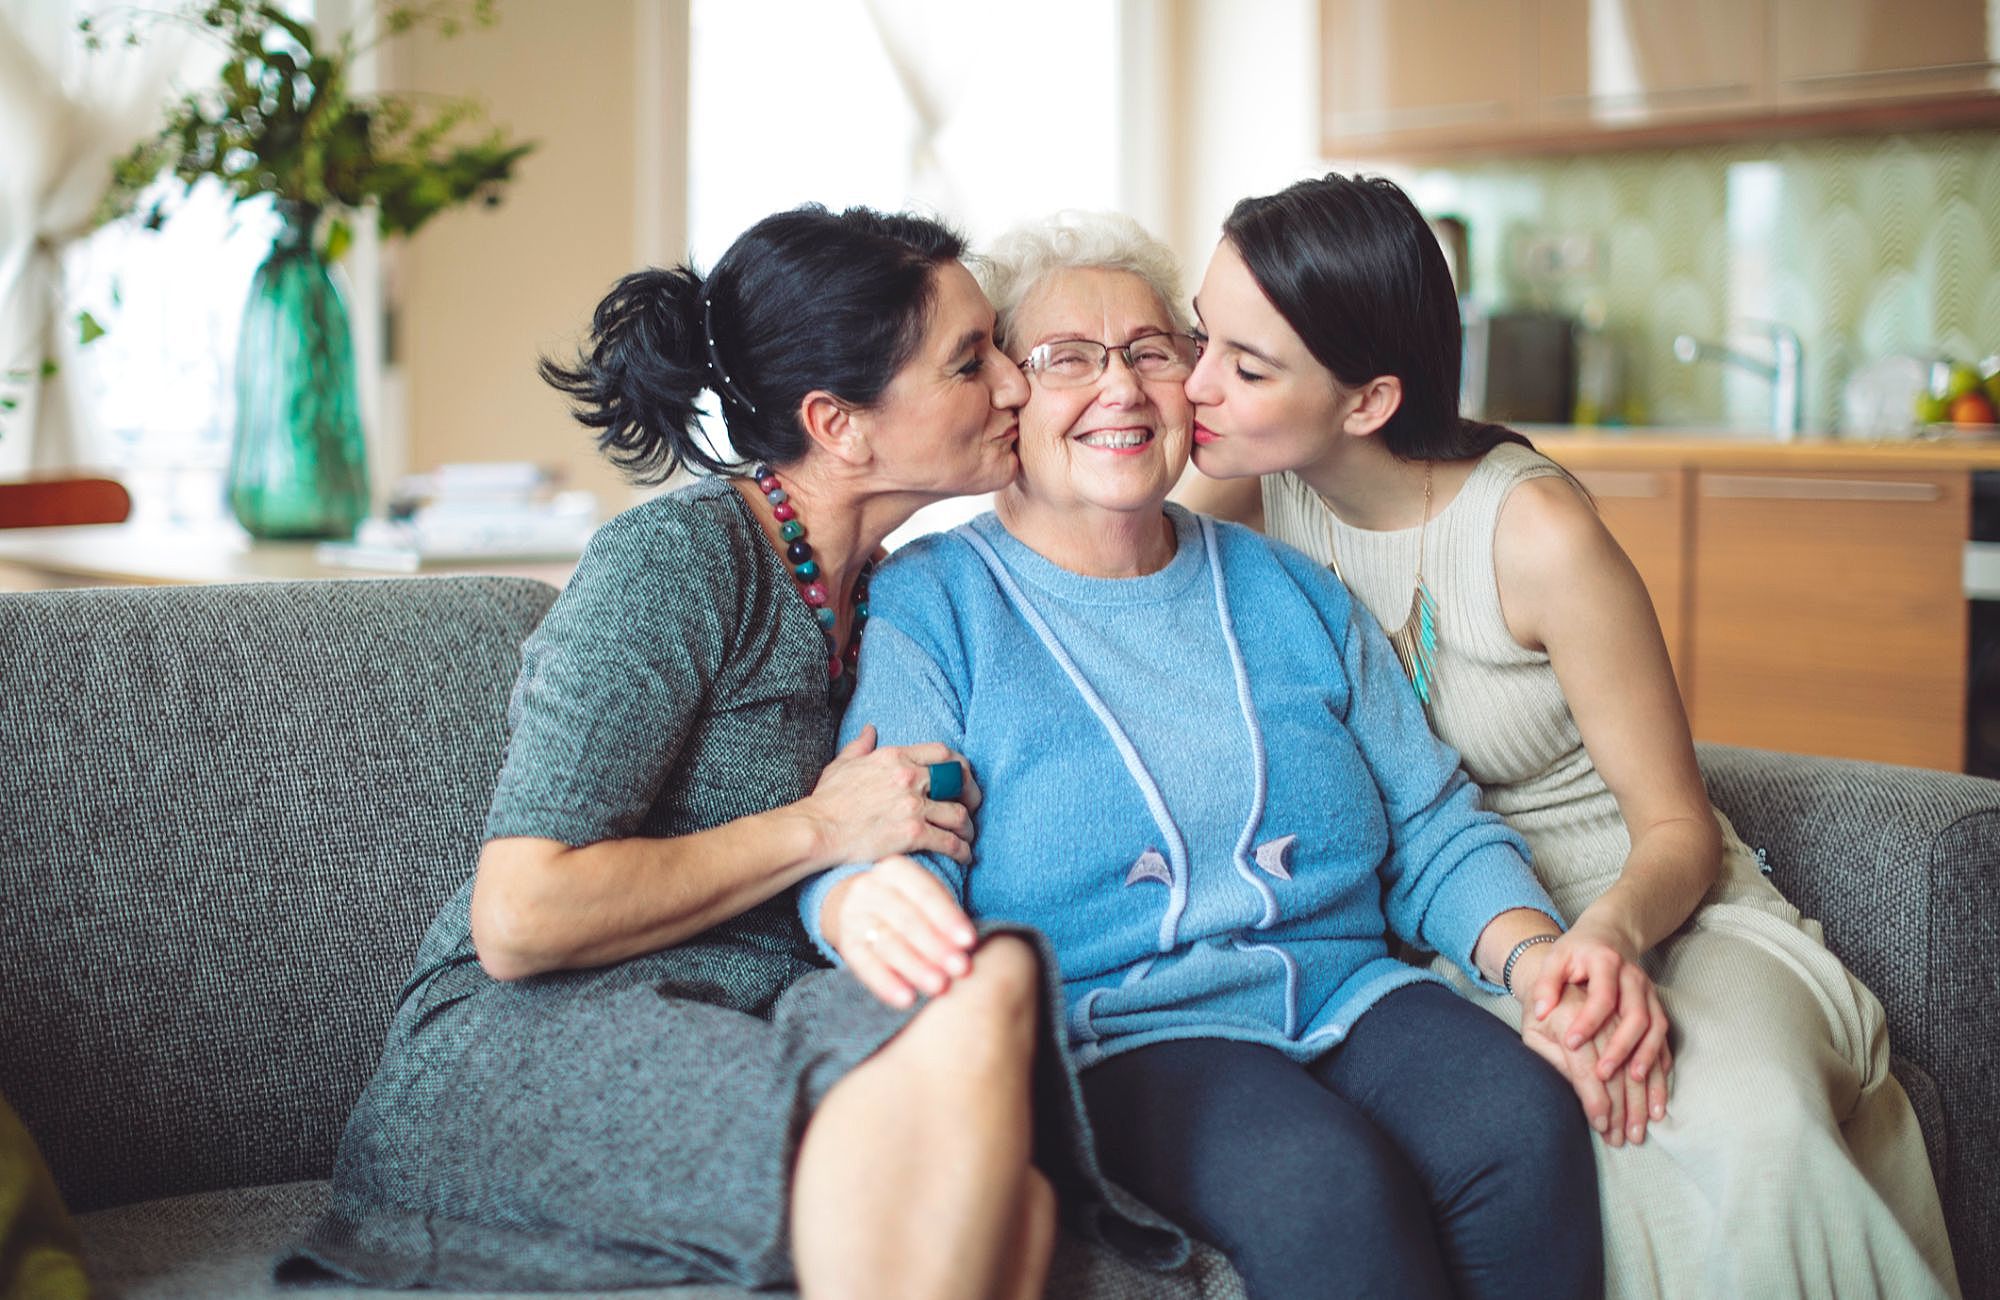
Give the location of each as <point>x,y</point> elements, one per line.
<point>870,803</point>
<point>899,930</point>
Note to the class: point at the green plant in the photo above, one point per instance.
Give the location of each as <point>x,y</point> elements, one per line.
<point>281,120</point>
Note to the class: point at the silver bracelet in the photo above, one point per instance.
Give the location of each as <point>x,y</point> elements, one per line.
<point>1507,971</point>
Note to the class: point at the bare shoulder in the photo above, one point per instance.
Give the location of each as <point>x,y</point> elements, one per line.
<point>1551,551</point>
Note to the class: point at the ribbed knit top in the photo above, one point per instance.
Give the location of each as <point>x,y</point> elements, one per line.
<point>1495,701</point>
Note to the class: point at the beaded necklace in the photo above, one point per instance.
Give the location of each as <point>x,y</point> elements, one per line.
<point>806,572</point>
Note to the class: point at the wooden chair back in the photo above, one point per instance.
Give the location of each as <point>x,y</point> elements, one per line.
<point>44,503</point>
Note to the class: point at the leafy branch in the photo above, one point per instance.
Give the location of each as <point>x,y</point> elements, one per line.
<point>281,120</point>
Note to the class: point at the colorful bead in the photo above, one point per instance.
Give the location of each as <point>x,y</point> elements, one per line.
<point>791,530</point>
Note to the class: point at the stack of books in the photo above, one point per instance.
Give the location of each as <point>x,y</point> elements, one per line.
<point>471,513</point>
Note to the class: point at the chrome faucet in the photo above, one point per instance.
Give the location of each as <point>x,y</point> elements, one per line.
<point>1784,371</point>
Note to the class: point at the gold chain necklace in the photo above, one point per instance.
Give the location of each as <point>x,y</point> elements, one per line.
<point>1416,641</point>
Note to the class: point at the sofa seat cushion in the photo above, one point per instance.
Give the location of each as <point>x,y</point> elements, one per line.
<point>216,1244</point>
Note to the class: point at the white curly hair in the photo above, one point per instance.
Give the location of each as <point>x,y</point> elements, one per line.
<point>1022,258</point>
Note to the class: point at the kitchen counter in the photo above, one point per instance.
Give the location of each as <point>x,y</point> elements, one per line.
<point>1663,448</point>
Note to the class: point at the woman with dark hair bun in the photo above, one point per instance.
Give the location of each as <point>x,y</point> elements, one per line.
<point>619,1061</point>
<point>1326,408</point>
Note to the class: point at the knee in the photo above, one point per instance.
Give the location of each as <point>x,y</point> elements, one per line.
<point>988,1017</point>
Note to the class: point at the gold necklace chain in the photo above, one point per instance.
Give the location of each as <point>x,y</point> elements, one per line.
<point>1415,642</point>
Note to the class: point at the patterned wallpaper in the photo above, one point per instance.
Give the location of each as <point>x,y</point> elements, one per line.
<point>1869,246</point>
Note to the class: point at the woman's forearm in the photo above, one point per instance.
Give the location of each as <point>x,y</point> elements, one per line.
<point>540,905</point>
<point>1671,867</point>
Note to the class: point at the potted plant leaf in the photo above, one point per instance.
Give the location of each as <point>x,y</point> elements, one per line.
<point>281,120</point>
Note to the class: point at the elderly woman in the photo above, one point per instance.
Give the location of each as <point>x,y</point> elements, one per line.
<point>1218,820</point>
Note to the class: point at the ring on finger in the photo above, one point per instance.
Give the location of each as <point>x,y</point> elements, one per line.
<point>872,935</point>
<point>944,781</point>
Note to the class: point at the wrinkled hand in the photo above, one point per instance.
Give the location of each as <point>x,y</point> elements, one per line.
<point>899,930</point>
<point>870,803</point>
<point>1618,992</point>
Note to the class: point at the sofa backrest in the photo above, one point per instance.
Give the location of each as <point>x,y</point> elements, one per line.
<point>226,816</point>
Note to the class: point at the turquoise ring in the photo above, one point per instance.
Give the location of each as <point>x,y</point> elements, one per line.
<point>947,781</point>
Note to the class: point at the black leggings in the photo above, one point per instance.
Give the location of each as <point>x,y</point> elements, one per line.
<point>1431,1154</point>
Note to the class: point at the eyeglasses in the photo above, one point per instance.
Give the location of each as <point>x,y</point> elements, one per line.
<point>1077,363</point>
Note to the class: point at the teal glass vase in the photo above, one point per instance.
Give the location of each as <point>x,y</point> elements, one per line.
<point>298,467</point>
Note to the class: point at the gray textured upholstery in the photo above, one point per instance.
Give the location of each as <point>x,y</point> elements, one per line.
<point>217,1244</point>
<point>1902,868</point>
<point>227,814</point>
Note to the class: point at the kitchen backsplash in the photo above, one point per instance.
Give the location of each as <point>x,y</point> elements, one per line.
<point>1869,246</point>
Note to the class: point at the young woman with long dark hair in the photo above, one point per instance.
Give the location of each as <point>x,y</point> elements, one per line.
<point>1788,1160</point>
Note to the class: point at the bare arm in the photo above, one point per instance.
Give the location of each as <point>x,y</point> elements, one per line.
<point>541,905</point>
<point>1567,588</point>
<point>1240,500</point>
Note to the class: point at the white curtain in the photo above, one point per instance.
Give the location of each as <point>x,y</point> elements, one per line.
<point>66,113</point>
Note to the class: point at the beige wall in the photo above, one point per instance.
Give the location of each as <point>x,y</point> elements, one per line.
<point>480,293</point>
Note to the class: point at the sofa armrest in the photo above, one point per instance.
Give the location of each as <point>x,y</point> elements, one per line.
<point>1902,868</point>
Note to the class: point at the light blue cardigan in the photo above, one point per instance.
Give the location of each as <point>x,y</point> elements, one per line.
<point>1211,787</point>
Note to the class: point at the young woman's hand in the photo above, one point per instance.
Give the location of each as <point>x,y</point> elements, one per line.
<point>1617,992</point>
<point>870,803</point>
<point>1618,1108</point>
<point>899,930</point>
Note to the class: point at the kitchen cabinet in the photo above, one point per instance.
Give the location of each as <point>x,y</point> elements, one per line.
<point>1638,64</point>
<point>1646,510</point>
<point>1476,78</point>
<point>1829,615</point>
<point>1415,73</point>
<point>1848,51</point>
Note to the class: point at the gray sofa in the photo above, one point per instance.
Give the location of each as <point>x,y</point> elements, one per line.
<point>228,813</point>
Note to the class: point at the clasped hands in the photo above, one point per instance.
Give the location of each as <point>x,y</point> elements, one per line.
<point>1590,1010</point>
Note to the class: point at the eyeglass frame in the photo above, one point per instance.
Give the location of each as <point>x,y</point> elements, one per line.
<point>1029,365</point>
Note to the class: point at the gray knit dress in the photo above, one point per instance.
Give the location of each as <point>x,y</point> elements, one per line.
<point>636,1124</point>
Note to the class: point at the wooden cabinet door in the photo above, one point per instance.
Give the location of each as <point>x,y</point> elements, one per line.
<point>1633,63</point>
<point>1646,510</point>
<point>1422,74</point>
<point>1829,614</point>
<point>1846,51</point>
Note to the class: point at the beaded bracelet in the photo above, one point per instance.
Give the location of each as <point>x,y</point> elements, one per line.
<point>1507,971</point>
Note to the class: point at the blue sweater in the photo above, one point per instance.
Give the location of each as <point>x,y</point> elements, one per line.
<point>1211,787</point>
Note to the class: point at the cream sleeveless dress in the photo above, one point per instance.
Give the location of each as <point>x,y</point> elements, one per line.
<point>1790,1162</point>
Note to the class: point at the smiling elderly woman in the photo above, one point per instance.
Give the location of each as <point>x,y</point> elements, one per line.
<point>1209,784</point>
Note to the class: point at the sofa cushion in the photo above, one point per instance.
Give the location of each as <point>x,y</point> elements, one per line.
<point>222,1244</point>
<point>227,815</point>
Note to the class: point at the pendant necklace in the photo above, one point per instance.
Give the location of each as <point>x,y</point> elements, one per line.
<point>1415,642</point>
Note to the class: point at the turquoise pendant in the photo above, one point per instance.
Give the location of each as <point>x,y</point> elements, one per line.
<point>1416,643</point>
